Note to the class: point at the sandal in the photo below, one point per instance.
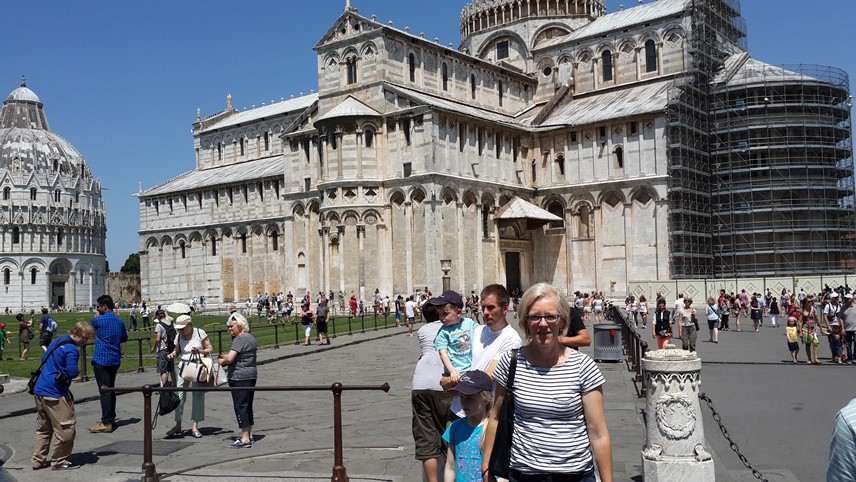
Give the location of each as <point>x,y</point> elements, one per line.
<point>196,434</point>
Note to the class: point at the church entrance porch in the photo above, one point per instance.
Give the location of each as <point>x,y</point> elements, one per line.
<point>58,279</point>
<point>57,293</point>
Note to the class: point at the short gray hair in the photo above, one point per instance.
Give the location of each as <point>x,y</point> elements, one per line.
<point>241,321</point>
<point>537,292</point>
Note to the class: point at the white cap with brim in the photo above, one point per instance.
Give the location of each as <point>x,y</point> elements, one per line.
<point>848,296</point>
<point>183,321</point>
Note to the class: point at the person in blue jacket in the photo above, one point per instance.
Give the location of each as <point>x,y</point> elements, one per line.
<point>54,401</point>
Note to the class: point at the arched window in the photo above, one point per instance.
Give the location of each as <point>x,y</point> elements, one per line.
<point>368,137</point>
<point>7,276</point>
<point>274,240</point>
<point>619,157</point>
<point>213,246</point>
<point>7,193</point>
<point>351,65</point>
<point>445,70</point>
<point>33,193</point>
<point>650,56</point>
<point>183,249</point>
<point>411,63</point>
<point>16,235</point>
<point>585,222</point>
<point>556,208</point>
<point>473,86</point>
<point>606,59</point>
<point>499,91</point>
<point>560,163</point>
<point>244,243</point>
<point>33,272</point>
<point>267,141</point>
<point>59,237</point>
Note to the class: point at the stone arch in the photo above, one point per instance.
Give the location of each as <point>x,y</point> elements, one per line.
<point>58,266</point>
<point>504,198</point>
<point>584,56</point>
<point>644,194</point>
<point>371,216</point>
<point>368,49</point>
<point>33,262</point>
<point>543,63</point>
<point>486,43</point>
<point>626,45</point>
<point>612,197</point>
<point>195,237</point>
<point>166,241</point>
<point>604,46</point>
<point>349,52</point>
<point>647,35</point>
<point>448,195</point>
<point>152,243</point>
<point>333,218</point>
<point>397,197</point>
<point>417,194</point>
<point>557,25</point>
<point>488,198</point>
<point>257,229</point>
<point>583,211</point>
<point>550,199</point>
<point>298,209</point>
<point>469,198</point>
<point>227,232</point>
<point>674,33</point>
<point>180,238</point>
<point>350,218</point>
<point>314,207</point>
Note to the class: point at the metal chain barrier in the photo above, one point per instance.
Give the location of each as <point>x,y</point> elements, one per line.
<point>718,419</point>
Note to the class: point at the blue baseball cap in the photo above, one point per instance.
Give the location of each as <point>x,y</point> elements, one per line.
<point>472,382</point>
<point>447,298</point>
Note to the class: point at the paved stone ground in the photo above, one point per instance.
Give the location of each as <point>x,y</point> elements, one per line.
<point>779,414</point>
<point>293,430</point>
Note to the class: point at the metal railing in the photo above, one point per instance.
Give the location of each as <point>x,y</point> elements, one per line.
<point>339,472</point>
<point>633,344</point>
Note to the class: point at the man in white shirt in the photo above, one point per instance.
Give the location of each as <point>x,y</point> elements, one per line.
<point>491,339</point>
<point>679,305</point>
<point>410,314</point>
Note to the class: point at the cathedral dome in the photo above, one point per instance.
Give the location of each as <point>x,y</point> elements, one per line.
<point>24,94</point>
<point>481,15</point>
<point>26,141</point>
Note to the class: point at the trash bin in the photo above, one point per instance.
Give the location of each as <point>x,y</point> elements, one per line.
<point>607,342</point>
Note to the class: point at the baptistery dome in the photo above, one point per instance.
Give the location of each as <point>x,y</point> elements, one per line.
<point>52,219</point>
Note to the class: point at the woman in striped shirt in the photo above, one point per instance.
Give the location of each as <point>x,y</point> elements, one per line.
<point>559,418</point>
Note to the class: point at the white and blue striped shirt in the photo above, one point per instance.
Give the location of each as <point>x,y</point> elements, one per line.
<point>550,433</point>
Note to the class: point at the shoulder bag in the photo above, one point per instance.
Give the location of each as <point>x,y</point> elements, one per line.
<point>34,376</point>
<point>194,369</point>
<point>500,457</point>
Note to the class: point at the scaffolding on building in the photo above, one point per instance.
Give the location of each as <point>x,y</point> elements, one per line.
<point>783,185</point>
<point>717,31</point>
<point>761,179</point>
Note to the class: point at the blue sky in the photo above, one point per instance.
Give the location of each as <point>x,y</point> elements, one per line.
<point>121,80</point>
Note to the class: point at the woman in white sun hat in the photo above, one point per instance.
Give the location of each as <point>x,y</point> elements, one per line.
<point>189,341</point>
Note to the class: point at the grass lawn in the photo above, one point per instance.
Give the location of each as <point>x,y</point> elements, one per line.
<point>266,335</point>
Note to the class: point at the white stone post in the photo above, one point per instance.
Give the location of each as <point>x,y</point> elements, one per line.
<point>675,448</point>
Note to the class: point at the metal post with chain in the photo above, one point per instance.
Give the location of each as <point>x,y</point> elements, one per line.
<point>718,419</point>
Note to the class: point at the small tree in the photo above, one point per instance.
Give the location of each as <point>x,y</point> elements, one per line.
<point>132,264</point>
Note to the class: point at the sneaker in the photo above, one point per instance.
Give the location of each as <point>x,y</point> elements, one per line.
<point>42,465</point>
<point>101,428</point>
<point>240,444</point>
<point>65,466</point>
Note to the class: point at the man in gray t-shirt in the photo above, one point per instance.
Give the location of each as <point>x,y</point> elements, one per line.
<point>321,314</point>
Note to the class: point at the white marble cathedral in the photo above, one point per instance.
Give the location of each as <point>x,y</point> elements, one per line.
<point>556,143</point>
<point>52,216</point>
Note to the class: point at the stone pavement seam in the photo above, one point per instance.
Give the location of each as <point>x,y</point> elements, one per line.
<point>32,409</point>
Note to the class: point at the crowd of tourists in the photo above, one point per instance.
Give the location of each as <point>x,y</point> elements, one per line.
<point>807,318</point>
<point>184,359</point>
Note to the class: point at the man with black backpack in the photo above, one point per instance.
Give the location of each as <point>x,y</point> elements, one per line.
<point>165,334</point>
<point>47,328</point>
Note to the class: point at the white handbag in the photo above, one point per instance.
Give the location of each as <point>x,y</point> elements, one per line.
<point>195,369</point>
<point>221,376</point>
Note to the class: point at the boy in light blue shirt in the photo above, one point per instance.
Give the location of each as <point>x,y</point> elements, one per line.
<point>455,339</point>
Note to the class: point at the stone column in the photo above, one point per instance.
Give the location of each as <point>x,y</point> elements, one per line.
<point>361,236</point>
<point>675,448</point>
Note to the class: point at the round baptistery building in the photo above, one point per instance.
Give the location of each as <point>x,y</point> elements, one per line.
<point>783,194</point>
<point>52,218</point>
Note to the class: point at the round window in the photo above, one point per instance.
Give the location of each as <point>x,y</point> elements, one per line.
<point>548,71</point>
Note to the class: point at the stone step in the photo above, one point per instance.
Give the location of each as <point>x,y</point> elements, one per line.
<point>5,378</point>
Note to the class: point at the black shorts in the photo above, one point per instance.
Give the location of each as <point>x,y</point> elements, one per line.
<point>793,346</point>
<point>321,326</point>
<point>431,413</point>
<point>165,365</point>
<point>45,338</point>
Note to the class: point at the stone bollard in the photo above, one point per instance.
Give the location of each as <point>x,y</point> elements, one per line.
<point>675,449</point>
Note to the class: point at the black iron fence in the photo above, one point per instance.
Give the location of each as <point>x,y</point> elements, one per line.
<point>339,472</point>
<point>633,344</point>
